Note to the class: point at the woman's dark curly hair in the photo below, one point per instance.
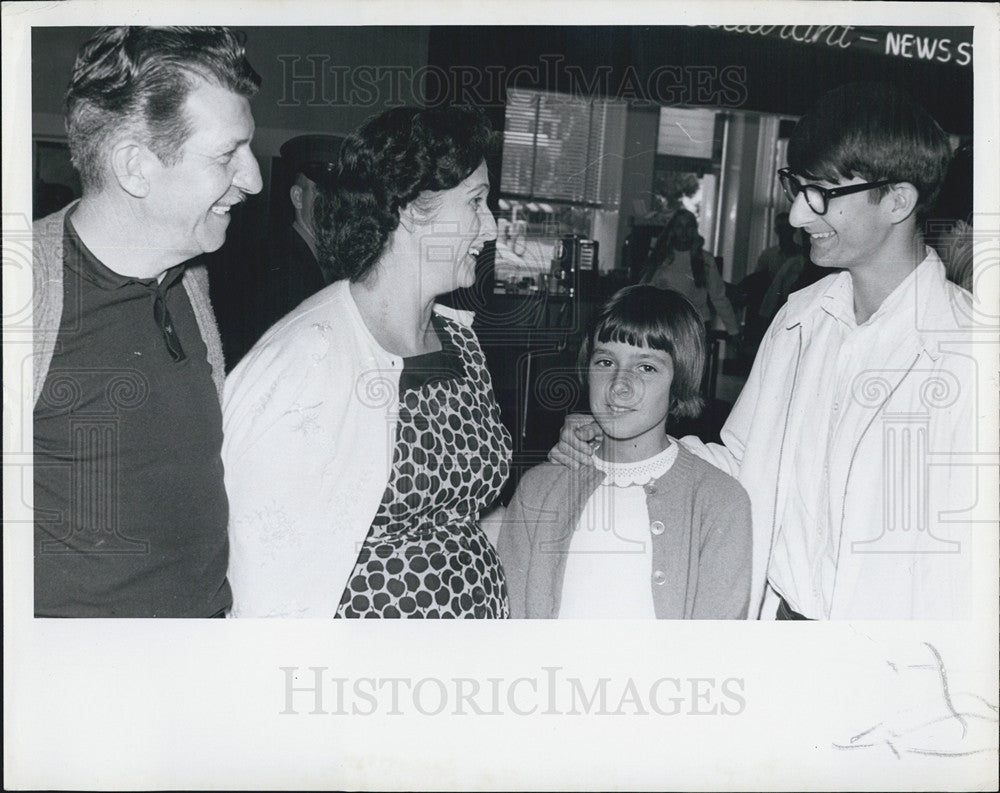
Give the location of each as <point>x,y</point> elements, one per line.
<point>384,166</point>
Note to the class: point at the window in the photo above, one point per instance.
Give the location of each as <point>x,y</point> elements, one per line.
<point>687,132</point>
<point>563,148</point>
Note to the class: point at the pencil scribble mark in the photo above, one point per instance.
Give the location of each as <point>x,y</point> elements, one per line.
<point>925,737</point>
<point>939,666</point>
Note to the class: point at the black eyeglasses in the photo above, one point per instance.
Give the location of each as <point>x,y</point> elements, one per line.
<point>818,198</point>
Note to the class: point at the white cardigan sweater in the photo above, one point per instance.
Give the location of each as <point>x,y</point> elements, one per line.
<point>310,422</point>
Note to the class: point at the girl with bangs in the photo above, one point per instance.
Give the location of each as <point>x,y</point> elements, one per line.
<point>650,531</point>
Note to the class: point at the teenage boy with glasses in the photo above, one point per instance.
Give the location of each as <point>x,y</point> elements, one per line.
<point>862,388</point>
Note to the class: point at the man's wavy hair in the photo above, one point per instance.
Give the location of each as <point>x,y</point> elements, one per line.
<point>874,131</point>
<point>135,81</point>
<point>394,159</point>
<point>661,319</point>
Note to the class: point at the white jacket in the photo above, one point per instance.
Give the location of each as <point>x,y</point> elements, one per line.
<point>309,418</point>
<point>900,497</point>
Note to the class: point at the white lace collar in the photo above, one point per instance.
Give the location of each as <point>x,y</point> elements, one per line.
<point>638,473</point>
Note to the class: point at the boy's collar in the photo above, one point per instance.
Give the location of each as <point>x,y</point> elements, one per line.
<point>926,286</point>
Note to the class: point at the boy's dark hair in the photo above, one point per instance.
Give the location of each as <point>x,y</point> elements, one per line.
<point>661,319</point>
<point>873,131</point>
<point>137,79</point>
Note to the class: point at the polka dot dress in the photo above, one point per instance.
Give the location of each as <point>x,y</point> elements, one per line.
<point>425,555</point>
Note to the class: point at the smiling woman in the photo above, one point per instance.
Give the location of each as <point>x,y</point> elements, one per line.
<point>362,436</point>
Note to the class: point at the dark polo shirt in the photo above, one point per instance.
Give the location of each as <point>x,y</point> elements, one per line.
<point>130,506</point>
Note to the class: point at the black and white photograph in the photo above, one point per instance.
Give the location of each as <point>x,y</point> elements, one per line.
<point>626,334</point>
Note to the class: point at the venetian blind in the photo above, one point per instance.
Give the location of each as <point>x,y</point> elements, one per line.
<point>562,148</point>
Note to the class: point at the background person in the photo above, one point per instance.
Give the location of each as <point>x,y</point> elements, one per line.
<point>782,262</point>
<point>770,260</point>
<point>679,262</point>
<point>293,271</point>
<point>363,439</point>
<point>949,227</point>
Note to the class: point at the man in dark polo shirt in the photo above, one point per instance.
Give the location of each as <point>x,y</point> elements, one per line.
<point>130,507</point>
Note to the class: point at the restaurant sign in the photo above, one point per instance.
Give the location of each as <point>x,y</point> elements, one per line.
<point>932,44</point>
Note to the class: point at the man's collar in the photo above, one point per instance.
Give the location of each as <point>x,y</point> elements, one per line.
<point>82,261</point>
